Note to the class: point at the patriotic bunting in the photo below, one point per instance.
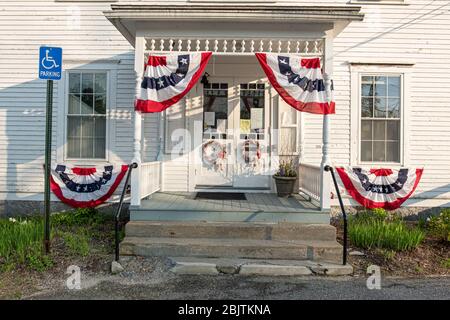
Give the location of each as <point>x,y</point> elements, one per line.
<point>85,187</point>
<point>298,81</point>
<point>167,79</point>
<point>380,188</point>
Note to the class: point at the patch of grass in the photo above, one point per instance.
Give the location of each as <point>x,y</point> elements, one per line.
<point>77,243</point>
<point>446,263</point>
<point>78,217</point>
<point>387,254</point>
<point>21,243</point>
<point>21,239</point>
<point>377,232</point>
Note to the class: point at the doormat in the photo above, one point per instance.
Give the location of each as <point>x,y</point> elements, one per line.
<point>221,195</point>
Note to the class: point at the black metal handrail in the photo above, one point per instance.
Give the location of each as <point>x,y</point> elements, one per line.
<point>119,209</point>
<point>344,214</point>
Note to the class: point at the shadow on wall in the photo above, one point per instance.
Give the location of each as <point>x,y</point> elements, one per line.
<point>22,135</point>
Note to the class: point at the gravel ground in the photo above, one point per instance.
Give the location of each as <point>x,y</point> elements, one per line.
<point>150,279</point>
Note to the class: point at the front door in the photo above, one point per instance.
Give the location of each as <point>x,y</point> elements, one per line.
<point>235,135</point>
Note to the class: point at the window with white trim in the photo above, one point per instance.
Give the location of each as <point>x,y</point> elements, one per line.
<point>86,115</point>
<point>380,109</point>
<point>288,129</point>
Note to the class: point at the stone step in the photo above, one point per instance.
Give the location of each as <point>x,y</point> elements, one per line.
<point>300,216</point>
<point>326,251</point>
<point>256,267</point>
<point>231,230</point>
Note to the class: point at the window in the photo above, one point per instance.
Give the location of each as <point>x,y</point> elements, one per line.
<point>380,107</point>
<point>251,114</point>
<point>288,129</point>
<point>215,110</point>
<point>86,115</point>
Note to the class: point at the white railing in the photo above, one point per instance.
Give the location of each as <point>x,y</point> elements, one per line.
<point>313,47</point>
<point>150,178</point>
<point>309,180</point>
<point>146,179</point>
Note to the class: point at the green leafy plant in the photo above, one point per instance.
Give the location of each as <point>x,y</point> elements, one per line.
<point>446,263</point>
<point>439,226</point>
<point>286,169</point>
<point>377,214</point>
<point>374,233</point>
<point>78,217</point>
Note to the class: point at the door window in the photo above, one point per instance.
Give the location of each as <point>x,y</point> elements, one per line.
<point>215,111</point>
<point>251,121</point>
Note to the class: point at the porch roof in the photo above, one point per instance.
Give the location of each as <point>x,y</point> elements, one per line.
<point>126,17</point>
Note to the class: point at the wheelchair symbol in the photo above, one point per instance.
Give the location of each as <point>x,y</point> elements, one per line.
<point>48,62</point>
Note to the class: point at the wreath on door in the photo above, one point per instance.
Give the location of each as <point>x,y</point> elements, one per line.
<point>213,154</point>
<point>251,157</point>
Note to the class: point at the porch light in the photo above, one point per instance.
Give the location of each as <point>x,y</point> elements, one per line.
<point>204,80</point>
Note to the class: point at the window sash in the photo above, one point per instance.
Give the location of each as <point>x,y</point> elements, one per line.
<point>92,139</point>
<point>375,141</point>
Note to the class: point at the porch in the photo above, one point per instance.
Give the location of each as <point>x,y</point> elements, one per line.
<point>237,31</point>
<point>260,226</point>
<point>252,207</point>
<point>155,204</point>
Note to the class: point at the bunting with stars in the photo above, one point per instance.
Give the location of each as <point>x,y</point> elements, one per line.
<point>380,188</point>
<point>167,79</point>
<point>298,81</point>
<point>85,187</point>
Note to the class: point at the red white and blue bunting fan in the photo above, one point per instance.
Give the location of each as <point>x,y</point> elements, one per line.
<point>167,79</point>
<point>380,188</point>
<point>298,81</point>
<point>86,187</point>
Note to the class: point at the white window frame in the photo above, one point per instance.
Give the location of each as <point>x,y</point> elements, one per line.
<point>357,71</point>
<point>298,126</point>
<point>110,68</point>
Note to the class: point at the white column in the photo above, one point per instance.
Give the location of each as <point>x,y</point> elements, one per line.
<point>137,122</point>
<point>325,179</point>
<point>325,182</point>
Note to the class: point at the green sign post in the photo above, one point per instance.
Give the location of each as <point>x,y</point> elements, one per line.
<point>50,68</point>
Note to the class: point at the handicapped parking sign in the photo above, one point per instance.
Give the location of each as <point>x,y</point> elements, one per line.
<point>50,63</point>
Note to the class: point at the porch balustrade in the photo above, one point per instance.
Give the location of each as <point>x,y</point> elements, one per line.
<point>236,46</point>
<point>149,176</point>
<point>309,180</point>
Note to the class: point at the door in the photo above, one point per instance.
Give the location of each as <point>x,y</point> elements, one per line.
<point>252,138</point>
<point>234,135</point>
<point>215,165</point>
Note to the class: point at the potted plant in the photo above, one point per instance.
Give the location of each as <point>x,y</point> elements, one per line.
<point>285,179</point>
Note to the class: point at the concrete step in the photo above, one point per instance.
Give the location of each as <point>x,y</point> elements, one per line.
<point>231,230</point>
<point>299,216</point>
<point>326,251</point>
<point>258,267</point>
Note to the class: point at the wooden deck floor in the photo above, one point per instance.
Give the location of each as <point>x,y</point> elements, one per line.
<point>256,202</point>
<point>259,207</point>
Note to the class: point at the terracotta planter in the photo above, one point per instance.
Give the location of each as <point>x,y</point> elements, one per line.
<point>285,185</point>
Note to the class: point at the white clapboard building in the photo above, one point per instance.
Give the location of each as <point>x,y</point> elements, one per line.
<point>388,61</point>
